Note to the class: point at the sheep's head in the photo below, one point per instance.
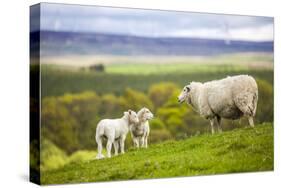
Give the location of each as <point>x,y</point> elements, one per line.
<point>185,94</point>
<point>145,114</point>
<point>132,116</point>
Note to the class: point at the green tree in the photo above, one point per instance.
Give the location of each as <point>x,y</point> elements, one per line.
<point>70,120</point>
<point>51,156</point>
<point>136,100</point>
<point>265,102</point>
<point>111,106</point>
<point>84,108</point>
<point>160,93</point>
<point>58,125</point>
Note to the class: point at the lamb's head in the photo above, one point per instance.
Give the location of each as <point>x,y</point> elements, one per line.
<point>185,94</point>
<point>131,116</point>
<point>144,114</point>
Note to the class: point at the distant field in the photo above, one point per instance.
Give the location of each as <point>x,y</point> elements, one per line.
<point>236,62</point>
<point>140,72</point>
<point>240,150</point>
<point>164,64</point>
<point>146,69</point>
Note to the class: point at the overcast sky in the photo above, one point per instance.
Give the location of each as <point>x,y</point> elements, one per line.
<point>153,23</point>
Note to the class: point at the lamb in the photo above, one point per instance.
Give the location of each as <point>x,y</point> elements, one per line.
<point>230,98</point>
<point>140,131</point>
<point>115,131</point>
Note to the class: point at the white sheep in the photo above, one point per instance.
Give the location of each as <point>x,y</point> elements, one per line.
<point>115,131</point>
<point>140,131</point>
<point>229,98</point>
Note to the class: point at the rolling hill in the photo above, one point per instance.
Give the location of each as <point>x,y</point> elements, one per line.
<point>71,43</point>
<point>239,150</point>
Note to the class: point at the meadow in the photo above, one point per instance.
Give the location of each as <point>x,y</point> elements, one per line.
<point>239,150</point>
<point>75,98</point>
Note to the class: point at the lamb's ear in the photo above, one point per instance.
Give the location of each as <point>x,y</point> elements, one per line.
<point>187,88</point>
<point>130,111</point>
<point>125,113</point>
<point>140,111</point>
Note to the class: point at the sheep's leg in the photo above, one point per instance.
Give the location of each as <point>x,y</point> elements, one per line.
<point>247,104</point>
<point>108,147</point>
<point>116,147</point>
<point>219,124</point>
<point>122,144</point>
<point>212,122</point>
<point>99,142</point>
<point>251,121</point>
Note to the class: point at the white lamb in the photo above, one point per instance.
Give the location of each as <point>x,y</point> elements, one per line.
<point>140,131</point>
<point>229,98</point>
<point>115,131</point>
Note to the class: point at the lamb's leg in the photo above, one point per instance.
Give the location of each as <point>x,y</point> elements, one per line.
<point>145,142</point>
<point>108,147</point>
<point>212,122</point>
<point>146,138</point>
<point>142,141</point>
<point>136,143</point>
<point>122,144</point>
<point>116,147</point>
<point>219,124</point>
<point>99,142</point>
<point>251,121</point>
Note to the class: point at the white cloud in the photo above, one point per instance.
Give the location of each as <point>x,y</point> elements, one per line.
<point>262,33</point>
<point>150,23</point>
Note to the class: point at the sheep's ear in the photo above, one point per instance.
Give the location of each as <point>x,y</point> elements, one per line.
<point>187,88</point>
<point>130,111</point>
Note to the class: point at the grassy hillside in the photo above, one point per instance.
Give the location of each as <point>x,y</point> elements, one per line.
<point>240,150</point>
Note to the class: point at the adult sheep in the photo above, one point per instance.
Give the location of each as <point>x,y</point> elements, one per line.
<point>230,98</point>
<point>115,131</point>
<point>140,131</point>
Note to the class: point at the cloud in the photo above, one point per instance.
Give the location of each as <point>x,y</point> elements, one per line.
<point>154,23</point>
<point>261,33</point>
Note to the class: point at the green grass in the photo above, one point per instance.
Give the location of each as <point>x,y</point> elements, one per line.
<point>145,69</point>
<point>222,63</point>
<point>239,150</point>
<point>143,65</point>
